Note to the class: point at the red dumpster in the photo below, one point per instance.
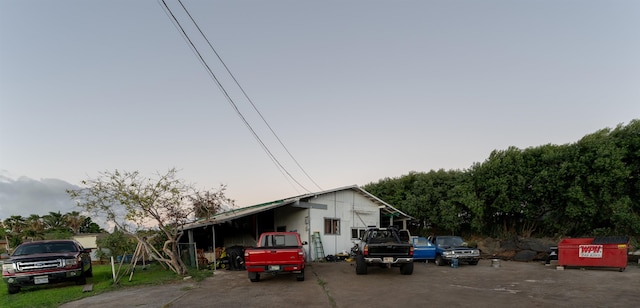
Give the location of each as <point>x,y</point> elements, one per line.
<point>607,251</point>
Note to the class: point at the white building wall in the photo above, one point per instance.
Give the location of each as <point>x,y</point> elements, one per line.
<point>294,219</point>
<point>88,241</point>
<point>352,209</point>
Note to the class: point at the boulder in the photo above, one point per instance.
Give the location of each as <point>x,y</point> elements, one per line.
<point>505,255</point>
<point>542,256</point>
<point>535,244</point>
<point>509,244</point>
<point>488,246</point>
<point>525,255</point>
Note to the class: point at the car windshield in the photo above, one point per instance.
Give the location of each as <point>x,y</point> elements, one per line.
<point>453,241</point>
<point>381,236</point>
<point>37,248</point>
<point>421,242</point>
<point>280,240</point>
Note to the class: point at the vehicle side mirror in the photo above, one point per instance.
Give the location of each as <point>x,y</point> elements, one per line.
<point>87,250</point>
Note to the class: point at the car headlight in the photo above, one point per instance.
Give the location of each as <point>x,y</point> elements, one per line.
<point>476,251</point>
<point>70,262</point>
<point>8,268</point>
<point>448,253</point>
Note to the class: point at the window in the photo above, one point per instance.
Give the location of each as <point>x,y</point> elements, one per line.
<point>357,233</point>
<point>287,240</point>
<point>331,226</point>
<point>381,236</point>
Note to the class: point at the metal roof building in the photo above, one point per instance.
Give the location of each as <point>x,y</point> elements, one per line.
<point>328,220</point>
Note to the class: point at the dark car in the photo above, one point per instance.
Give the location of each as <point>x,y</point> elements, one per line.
<point>451,247</point>
<point>44,262</point>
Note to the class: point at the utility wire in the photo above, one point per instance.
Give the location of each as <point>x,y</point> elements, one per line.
<point>228,97</point>
<point>246,95</point>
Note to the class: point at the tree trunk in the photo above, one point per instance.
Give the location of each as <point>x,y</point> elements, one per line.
<point>171,249</point>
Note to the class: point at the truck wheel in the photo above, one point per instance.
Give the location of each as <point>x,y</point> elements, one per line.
<point>361,265</point>
<point>440,261</point>
<point>254,277</point>
<point>474,262</point>
<point>89,273</point>
<point>406,269</point>
<point>13,289</point>
<point>300,277</point>
<point>235,255</point>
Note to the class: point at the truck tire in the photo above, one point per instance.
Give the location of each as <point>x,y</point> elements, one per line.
<point>300,276</point>
<point>254,277</point>
<point>474,262</point>
<point>361,265</point>
<point>440,261</point>
<point>236,258</point>
<point>406,269</point>
<point>13,289</point>
<point>89,272</point>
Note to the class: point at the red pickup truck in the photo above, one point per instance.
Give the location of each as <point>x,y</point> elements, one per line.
<point>276,252</point>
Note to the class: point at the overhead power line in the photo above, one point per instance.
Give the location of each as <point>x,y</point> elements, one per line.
<point>279,165</point>
<point>247,96</point>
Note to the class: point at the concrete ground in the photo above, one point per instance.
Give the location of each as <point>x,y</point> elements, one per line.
<point>337,285</point>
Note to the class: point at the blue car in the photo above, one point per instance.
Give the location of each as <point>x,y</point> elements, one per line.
<point>451,247</point>
<point>423,249</point>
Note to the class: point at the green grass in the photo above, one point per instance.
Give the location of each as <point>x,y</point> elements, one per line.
<point>54,295</point>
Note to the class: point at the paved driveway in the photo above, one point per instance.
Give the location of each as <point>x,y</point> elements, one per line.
<point>337,285</point>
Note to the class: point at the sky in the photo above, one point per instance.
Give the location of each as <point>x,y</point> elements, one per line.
<point>357,90</point>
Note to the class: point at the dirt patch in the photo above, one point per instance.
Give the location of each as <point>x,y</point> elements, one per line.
<point>336,285</point>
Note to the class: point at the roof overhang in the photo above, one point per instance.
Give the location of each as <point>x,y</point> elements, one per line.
<point>301,201</point>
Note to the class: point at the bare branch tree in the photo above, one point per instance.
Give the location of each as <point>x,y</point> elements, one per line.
<point>133,203</point>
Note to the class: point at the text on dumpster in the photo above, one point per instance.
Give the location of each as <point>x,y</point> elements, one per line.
<point>590,251</point>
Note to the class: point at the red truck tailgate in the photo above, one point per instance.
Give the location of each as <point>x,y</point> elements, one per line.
<point>270,256</point>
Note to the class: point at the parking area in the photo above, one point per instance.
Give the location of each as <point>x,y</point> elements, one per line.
<point>337,285</point>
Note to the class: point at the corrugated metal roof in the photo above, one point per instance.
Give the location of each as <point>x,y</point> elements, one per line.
<point>386,208</point>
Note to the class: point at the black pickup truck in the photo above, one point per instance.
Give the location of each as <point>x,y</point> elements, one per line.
<point>44,262</point>
<point>383,246</point>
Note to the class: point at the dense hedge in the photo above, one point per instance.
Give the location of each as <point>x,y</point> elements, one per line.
<point>590,187</point>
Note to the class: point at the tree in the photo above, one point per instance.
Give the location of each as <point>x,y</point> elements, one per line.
<point>88,226</point>
<point>4,233</point>
<point>597,198</point>
<point>133,202</point>
<point>118,243</point>
<point>34,229</point>
<point>627,139</point>
<point>442,201</point>
<point>14,226</point>
<point>54,221</point>
<point>207,203</point>
<point>74,221</point>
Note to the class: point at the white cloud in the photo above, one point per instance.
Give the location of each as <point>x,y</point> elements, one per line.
<point>25,196</point>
